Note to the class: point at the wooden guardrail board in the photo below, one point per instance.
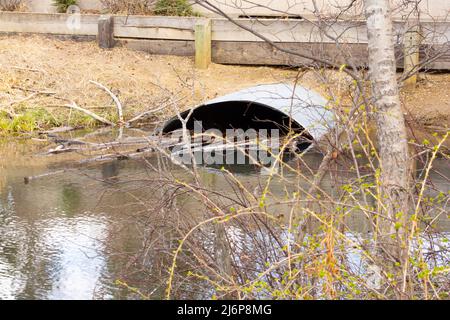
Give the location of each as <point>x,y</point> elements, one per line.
<point>176,28</point>
<point>262,53</point>
<point>23,22</point>
<point>140,27</point>
<point>287,31</point>
<point>435,33</point>
<point>182,48</point>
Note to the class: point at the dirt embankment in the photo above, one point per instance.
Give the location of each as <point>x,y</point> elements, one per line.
<point>429,102</point>
<point>38,72</point>
<point>39,76</point>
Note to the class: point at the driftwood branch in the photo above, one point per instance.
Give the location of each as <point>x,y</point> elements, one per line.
<point>74,106</point>
<point>115,99</point>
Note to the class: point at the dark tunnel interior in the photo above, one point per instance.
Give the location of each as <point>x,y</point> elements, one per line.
<point>240,115</point>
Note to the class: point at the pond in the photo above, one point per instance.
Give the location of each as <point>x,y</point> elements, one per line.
<point>73,235</point>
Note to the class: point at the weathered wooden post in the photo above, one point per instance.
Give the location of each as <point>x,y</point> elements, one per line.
<point>105,36</point>
<point>202,43</point>
<point>411,47</point>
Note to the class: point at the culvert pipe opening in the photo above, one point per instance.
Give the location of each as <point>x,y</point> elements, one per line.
<point>279,108</point>
<point>241,115</point>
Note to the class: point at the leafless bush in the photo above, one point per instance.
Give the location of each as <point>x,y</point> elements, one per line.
<point>11,5</point>
<point>129,6</point>
<point>288,235</point>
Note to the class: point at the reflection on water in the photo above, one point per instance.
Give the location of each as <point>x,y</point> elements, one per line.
<point>68,236</point>
<point>49,250</point>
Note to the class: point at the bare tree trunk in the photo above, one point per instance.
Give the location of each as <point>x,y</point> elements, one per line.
<point>392,138</point>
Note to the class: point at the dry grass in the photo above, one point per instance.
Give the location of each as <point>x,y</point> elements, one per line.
<point>141,81</point>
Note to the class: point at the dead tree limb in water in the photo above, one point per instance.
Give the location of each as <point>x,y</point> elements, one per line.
<point>28,179</point>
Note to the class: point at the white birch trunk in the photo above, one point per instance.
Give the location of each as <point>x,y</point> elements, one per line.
<point>391,133</point>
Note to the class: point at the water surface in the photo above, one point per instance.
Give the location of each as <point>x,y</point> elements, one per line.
<point>71,235</point>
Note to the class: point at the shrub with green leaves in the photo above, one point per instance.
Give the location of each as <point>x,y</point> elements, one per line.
<point>173,8</point>
<point>63,5</point>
